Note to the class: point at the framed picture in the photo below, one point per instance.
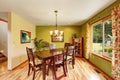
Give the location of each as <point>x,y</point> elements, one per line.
<point>58,38</point>
<point>25,36</point>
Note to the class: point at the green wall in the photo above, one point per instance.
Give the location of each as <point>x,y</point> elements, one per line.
<point>42,32</point>
<point>99,62</point>
<point>103,64</point>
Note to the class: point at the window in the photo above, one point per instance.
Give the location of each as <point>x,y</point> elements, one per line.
<point>102,38</point>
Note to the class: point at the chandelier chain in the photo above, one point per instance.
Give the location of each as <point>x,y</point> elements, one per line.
<point>56,18</point>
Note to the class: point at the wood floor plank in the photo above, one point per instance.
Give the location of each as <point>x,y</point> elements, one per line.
<point>82,71</point>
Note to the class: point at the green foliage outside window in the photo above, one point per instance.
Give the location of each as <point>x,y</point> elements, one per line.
<point>97,33</point>
<point>102,38</point>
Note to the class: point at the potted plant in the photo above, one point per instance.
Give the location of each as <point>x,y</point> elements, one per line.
<point>40,44</point>
<point>74,35</point>
<point>45,45</point>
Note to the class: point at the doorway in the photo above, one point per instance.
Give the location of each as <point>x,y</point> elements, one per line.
<point>3,41</point>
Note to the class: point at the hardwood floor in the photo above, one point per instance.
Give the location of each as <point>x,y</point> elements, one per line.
<point>82,71</point>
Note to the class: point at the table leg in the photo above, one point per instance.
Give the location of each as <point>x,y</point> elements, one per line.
<point>54,69</point>
<point>44,69</point>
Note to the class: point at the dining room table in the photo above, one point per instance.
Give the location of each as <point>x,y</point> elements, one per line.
<point>45,55</point>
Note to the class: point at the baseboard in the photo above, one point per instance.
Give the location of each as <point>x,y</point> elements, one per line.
<point>19,65</point>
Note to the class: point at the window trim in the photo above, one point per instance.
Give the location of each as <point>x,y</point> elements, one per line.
<point>103,20</point>
<point>99,22</point>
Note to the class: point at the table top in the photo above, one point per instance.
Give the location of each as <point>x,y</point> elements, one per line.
<point>49,53</point>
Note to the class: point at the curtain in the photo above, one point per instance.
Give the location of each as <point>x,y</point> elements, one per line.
<point>116,42</point>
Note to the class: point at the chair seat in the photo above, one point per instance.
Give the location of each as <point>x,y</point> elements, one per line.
<point>58,62</point>
<point>69,57</point>
<point>37,62</point>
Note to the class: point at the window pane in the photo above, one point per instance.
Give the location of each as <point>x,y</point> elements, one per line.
<point>97,38</point>
<point>108,39</point>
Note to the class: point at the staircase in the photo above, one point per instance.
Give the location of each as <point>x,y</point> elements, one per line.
<point>2,57</point>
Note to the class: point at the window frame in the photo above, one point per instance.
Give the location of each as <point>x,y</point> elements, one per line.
<point>102,21</point>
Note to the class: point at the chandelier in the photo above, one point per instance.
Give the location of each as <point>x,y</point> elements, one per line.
<point>56,33</point>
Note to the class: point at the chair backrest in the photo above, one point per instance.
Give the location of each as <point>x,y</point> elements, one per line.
<point>66,45</point>
<point>52,46</point>
<point>70,50</point>
<point>60,57</point>
<point>30,55</point>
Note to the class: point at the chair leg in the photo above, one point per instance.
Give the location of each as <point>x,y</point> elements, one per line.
<point>49,65</point>
<point>29,70</point>
<point>73,62</point>
<point>47,72</point>
<point>33,75</point>
<point>66,66</point>
<point>64,69</point>
<point>73,65</point>
<point>40,67</point>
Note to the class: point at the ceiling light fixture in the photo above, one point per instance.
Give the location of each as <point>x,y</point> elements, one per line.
<point>58,34</point>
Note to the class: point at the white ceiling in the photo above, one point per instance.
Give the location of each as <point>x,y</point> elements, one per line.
<point>41,12</point>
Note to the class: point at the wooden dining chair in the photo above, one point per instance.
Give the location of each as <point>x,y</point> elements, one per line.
<point>70,55</point>
<point>33,62</point>
<point>59,61</point>
<point>52,46</point>
<point>66,45</point>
